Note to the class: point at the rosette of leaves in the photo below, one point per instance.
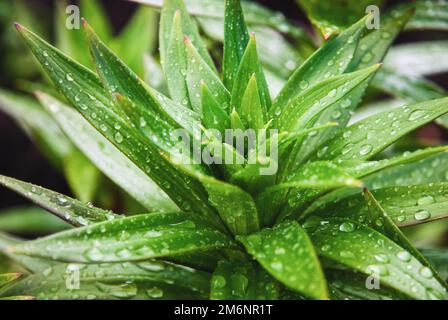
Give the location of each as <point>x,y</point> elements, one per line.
<point>322,226</point>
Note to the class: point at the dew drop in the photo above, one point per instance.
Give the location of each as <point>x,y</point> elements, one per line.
<point>422,215</point>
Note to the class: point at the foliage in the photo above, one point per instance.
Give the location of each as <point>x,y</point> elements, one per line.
<point>326,222</point>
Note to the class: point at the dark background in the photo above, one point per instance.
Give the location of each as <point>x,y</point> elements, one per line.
<point>19,157</point>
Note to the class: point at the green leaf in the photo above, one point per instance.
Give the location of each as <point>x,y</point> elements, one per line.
<point>370,49</point>
<point>235,206</point>
<point>129,239</point>
<point>369,136</point>
<point>236,38</point>
<point>303,110</point>
<point>120,80</point>
<point>213,115</point>
<point>330,17</point>
<point>244,281</point>
<point>320,174</point>
<point>29,220</point>
<point>365,168</point>
<point>189,29</point>
<point>82,176</point>
<point>316,68</point>
<point>71,210</point>
<point>83,89</point>
<point>251,108</point>
<point>29,263</point>
<point>109,159</point>
<point>376,255</point>
<point>174,61</point>
<point>379,220</point>
<point>7,278</point>
<point>142,281</point>
<point>344,285</point>
<point>282,251</point>
<point>249,66</point>
<point>38,124</point>
<point>198,71</point>
<point>406,205</point>
<point>137,38</point>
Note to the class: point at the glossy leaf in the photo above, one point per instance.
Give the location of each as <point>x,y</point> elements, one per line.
<point>251,108</point>
<point>129,239</point>
<point>282,251</point>
<point>242,282</point>
<point>406,205</point>
<point>110,160</point>
<point>376,256</point>
<point>198,71</point>
<point>7,278</point>
<point>84,91</point>
<point>71,210</point>
<point>367,137</point>
<point>142,281</point>
<point>189,29</point>
<point>236,38</point>
<point>213,115</point>
<point>249,66</point>
<point>301,112</point>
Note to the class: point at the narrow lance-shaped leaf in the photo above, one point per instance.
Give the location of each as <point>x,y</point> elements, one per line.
<point>71,210</point>
<point>305,108</point>
<point>28,263</point>
<point>83,89</point>
<point>374,255</point>
<point>317,68</point>
<point>7,278</point>
<point>406,205</point>
<point>139,237</point>
<point>188,26</point>
<point>175,63</point>
<point>235,206</point>
<point>404,175</point>
<point>370,50</point>
<point>251,108</point>
<point>198,71</point>
<point>236,38</point>
<point>282,251</point>
<point>379,220</point>
<point>250,65</point>
<point>367,137</point>
<point>213,115</point>
<point>344,285</point>
<point>119,79</point>
<point>244,281</point>
<point>365,168</point>
<point>320,174</point>
<point>111,161</point>
<point>142,281</point>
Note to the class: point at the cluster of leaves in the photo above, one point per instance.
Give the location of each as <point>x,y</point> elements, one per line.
<point>224,231</point>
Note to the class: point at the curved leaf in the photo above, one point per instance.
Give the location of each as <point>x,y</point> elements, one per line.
<point>71,210</point>
<point>367,251</point>
<point>129,239</point>
<point>287,253</point>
